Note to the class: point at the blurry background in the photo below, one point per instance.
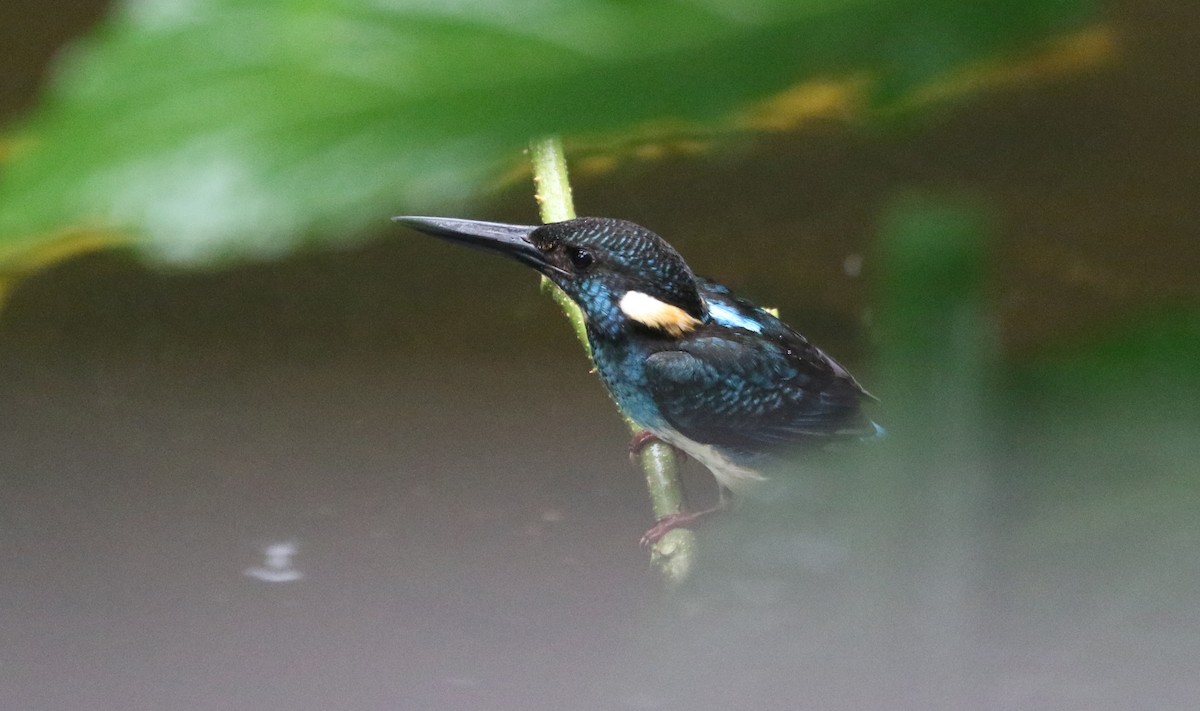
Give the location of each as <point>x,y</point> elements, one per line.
<point>989,213</point>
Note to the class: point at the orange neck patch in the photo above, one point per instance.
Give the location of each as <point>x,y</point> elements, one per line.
<point>651,312</point>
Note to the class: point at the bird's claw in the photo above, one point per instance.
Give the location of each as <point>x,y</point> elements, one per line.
<point>642,439</point>
<point>682,519</point>
<point>669,523</point>
<point>662,527</point>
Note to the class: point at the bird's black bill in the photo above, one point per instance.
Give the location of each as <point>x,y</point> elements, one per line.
<point>512,240</point>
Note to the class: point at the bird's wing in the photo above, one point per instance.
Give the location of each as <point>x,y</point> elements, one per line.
<point>744,391</point>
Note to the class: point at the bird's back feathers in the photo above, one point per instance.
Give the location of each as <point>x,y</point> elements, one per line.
<point>747,381</point>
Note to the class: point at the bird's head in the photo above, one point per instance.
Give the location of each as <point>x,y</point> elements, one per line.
<point>618,272</point>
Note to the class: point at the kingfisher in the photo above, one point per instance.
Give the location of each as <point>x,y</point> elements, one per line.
<point>689,362</point>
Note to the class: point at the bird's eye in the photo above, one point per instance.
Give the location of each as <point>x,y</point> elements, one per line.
<point>581,258</point>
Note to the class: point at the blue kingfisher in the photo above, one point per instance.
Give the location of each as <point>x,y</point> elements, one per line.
<point>693,365</point>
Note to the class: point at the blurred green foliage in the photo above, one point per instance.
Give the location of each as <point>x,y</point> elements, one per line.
<point>240,128</point>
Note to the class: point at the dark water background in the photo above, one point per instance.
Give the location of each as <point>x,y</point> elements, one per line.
<point>420,425</point>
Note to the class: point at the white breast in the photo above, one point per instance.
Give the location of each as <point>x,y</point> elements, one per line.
<point>728,474</point>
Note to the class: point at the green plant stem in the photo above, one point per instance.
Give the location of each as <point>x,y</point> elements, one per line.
<point>674,553</point>
<point>552,190</point>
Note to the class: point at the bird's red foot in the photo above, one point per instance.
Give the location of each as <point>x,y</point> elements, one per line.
<point>639,442</point>
<point>644,438</point>
<point>670,522</point>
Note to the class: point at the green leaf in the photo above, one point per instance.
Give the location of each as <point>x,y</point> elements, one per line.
<point>240,128</point>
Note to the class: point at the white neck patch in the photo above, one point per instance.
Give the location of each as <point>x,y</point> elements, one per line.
<point>651,312</point>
